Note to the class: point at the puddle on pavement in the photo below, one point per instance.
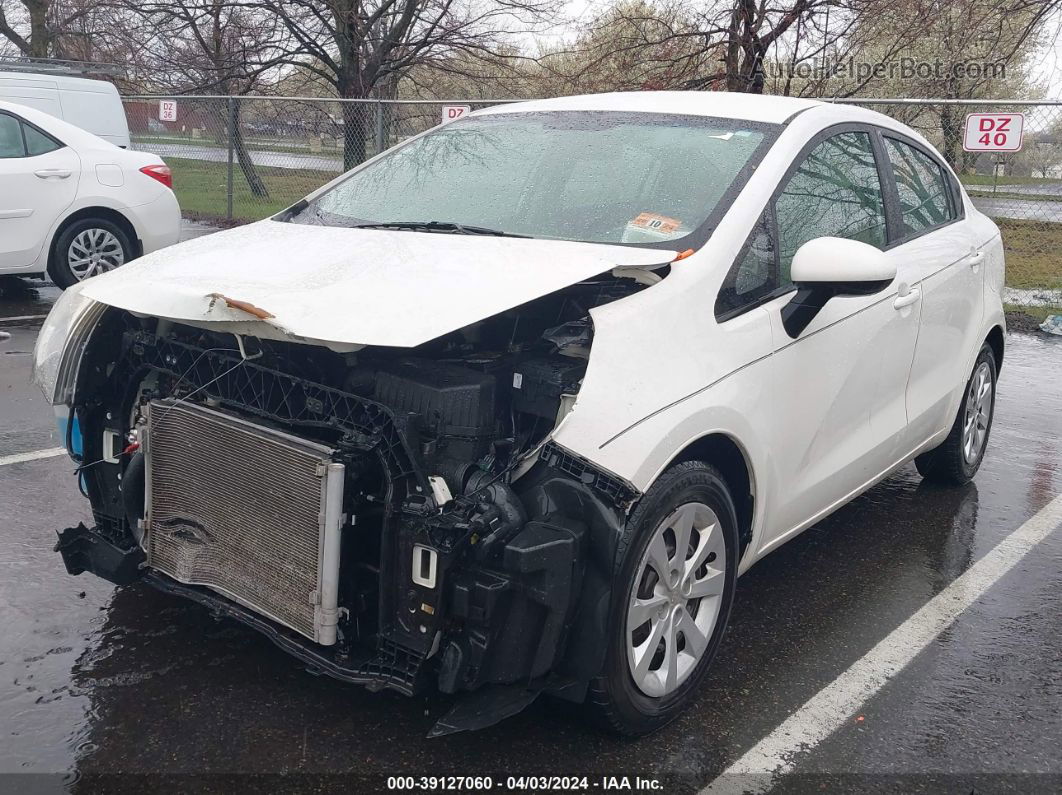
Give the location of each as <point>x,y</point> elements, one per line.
<point>21,296</point>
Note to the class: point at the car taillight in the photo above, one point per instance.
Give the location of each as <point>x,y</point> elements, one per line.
<point>161,173</point>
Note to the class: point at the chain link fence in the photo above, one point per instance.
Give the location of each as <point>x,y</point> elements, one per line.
<point>239,159</point>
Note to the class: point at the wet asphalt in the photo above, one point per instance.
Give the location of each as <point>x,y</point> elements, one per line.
<point>128,689</point>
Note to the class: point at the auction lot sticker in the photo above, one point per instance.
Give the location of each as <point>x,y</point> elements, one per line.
<point>993,132</point>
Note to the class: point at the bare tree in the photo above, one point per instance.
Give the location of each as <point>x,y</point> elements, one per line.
<point>749,31</point>
<point>361,48</point>
<point>211,47</point>
<point>762,43</point>
<point>38,41</point>
<point>632,45</point>
<point>45,28</point>
<point>722,44</point>
<point>1041,153</point>
<point>803,46</point>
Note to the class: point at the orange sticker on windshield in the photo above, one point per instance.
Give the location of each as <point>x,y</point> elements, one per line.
<point>656,223</point>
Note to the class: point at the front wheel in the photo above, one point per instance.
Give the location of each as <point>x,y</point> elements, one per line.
<point>86,248</point>
<point>958,458</point>
<point>671,599</point>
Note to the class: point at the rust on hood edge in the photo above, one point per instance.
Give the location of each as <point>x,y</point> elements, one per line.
<point>244,306</point>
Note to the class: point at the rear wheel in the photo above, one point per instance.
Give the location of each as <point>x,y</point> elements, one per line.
<point>671,600</point>
<point>959,457</point>
<point>86,248</point>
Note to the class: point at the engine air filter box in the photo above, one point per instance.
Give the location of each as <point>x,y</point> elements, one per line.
<point>451,400</point>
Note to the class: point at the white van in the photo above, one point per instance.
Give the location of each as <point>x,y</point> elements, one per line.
<point>92,105</point>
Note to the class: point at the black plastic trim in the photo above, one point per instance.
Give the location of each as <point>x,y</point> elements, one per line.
<point>386,668</point>
<point>766,298</point>
<point>88,549</point>
<point>617,490</point>
<point>810,300</point>
<point>243,385</point>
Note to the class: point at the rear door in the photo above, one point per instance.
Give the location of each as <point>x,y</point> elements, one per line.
<point>943,250</point>
<point>38,181</point>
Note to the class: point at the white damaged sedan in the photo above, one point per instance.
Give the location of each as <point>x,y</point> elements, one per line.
<point>507,409</point>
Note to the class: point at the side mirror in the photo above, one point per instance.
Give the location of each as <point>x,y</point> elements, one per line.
<point>827,267</point>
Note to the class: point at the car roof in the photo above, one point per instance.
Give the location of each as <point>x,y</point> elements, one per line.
<point>762,108</point>
<point>720,104</point>
<point>62,81</point>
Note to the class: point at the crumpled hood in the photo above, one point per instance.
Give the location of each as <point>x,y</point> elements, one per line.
<point>352,286</point>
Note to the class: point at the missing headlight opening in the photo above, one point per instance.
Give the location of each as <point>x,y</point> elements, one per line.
<point>395,517</point>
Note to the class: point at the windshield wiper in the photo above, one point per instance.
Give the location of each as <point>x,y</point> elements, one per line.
<point>435,226</point>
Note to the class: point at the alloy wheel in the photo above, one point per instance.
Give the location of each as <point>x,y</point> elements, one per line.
<point>94,251</point>
<point>675,601</point>
<point>978,413</point>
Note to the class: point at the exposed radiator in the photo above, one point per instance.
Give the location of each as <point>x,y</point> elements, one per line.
<point>252,513</point>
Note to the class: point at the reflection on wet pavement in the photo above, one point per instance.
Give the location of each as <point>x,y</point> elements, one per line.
<point>978,711</point>
<point>22,297</point>
<point>96,680</point>
<point>26,422</point>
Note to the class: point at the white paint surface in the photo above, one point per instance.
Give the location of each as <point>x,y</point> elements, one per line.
<point>357,286</point>
<point>34,455</point>
<point>720,104</point>
<point>91,105</point>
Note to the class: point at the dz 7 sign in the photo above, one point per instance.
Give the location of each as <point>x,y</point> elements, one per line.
<point>993,132</point>
<point>452,112</point>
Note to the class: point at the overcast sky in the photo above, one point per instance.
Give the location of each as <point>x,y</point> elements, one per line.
<point>1048,68</point>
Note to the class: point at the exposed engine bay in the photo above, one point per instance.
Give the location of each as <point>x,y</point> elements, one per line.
<point>394,517</point>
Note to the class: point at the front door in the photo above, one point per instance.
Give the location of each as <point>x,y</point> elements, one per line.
<point>840,416</point>
<point>38,181</point>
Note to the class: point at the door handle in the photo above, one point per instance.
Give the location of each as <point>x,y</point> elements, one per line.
<point>45,173</point>
<point>975,258</point>
<point>906,299</point>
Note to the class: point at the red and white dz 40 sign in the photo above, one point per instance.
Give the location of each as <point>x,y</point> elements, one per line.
<point>993,132</point>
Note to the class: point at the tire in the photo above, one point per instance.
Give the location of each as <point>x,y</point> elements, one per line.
<point>617,700</point>
<point>958,457</point>
<point>103,244</point>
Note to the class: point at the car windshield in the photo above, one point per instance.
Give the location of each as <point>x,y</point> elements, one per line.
<point>602,177</point>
